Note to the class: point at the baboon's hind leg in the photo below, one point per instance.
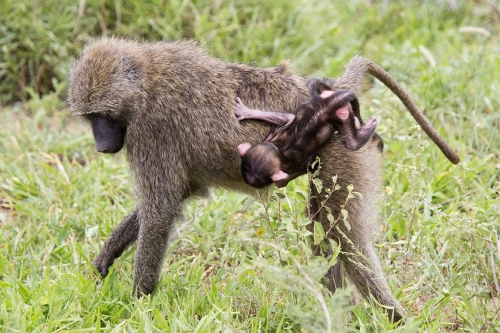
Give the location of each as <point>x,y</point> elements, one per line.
<point>362,169</point>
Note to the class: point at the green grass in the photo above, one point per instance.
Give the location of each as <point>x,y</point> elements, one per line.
<point>237,264</point>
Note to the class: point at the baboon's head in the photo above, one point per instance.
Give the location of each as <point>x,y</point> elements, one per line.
<point>106,87</point>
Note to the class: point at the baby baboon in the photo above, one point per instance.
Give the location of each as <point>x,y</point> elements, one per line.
<point>172,106</point>
<point>292,144</point>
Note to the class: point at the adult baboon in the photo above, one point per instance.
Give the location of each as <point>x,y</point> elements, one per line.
<point>172,105</point>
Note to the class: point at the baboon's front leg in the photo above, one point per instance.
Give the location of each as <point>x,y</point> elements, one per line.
<point>121,237</point>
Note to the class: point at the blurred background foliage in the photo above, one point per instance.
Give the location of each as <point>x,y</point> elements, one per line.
<point>39,38</point>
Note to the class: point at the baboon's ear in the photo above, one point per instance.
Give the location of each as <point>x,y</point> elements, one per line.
<point>322,90</point>
<point>279,176</point>
<point>326,93</point>
<point>130,69</point>
<point>243,148</point>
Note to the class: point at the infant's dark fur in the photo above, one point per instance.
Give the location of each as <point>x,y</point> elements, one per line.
<point>295,138</point>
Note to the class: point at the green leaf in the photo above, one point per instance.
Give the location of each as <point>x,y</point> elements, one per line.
<point>358,194</point>
<point>345,213</point>
<point>301,194</point>
<point>319,233</point>
<point>336,250</point>
<point>318,183</point>
<point>280,195</point>
<point>347,225</point>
